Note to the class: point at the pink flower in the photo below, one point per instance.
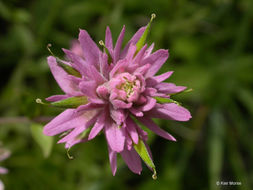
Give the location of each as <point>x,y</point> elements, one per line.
<point>4,154</point>
<point>121,87</point>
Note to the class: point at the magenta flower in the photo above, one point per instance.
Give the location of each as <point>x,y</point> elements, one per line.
<point>4,154</point>
<point>106,91</point>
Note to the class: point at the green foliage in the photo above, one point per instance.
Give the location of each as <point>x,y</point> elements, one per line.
<point>210,46</point>
<point>45,142</point>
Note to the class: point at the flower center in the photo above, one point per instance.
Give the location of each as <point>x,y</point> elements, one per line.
<point>124,86</point>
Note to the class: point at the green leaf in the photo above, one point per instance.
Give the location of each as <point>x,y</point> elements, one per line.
<point>143,153</point>
<point>143,38</point>
<point>45,142</point>
<point>72,102</point>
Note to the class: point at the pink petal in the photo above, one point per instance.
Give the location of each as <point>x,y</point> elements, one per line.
<point>157,59</point>
<point>149,50</point>
<point>170,111</point>
<point>115,136</point>
<point>132,160</point>
<point>80,125</point>
<point>118,45</point>
<point>99,125</point>
<point>162,77</point>
<point>88,88</point>
<point>136,112</point>
<point>55,98</point>
<point>151,102</point>
<point>133,40</point>
<point>61,77</point>
<point>108,38</point>
<point>140,54</point>
<point>169,88</point>
<point>79,63</point>
<point>152,126</point>
<point>74,141</point>
<point>113,160</point>
<point>118,104</point>
<point>52,127</point>
<point>90,49</point>
<point>131,52</point>
<point>131,129</point>
<point>118,115</point>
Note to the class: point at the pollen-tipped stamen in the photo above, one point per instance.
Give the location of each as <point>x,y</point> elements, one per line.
<point>106,51</point>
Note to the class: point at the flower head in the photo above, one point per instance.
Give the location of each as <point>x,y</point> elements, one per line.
<point>109,90</point>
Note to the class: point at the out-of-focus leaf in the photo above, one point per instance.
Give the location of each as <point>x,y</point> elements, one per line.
<point>216,149</point>
<point>45,142</point>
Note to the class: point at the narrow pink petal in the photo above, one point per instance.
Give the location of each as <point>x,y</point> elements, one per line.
<point>143,69</point>
<point>88,106</point>
<point>153,127</point>
<point>77,62</point>
<point>136,112</point>
<point>131,129</point>
<point>55,98</point>
<point>72,135</point>
<point>118,115</point>
<point>150,91</point>
<point>143,134</point>
<point>61,77</point>
<point>133,40</point>
<point>115,136</point>
<point>96,75</point>
<point>157,59</point>
<point>132,160</point>
<point>151,102</point>
<point>140,54</point>
<point>113,160</point>
<point>119,104</point>
<point>108,38</point>
<point>52,127</point>
<point>88,88</point>
<point>119,67</point>
<point>90,49</point>
<point>131,52</point>
<point>118,45</point>
<point>170,111</point>
<point>99,125</point>
<point>80,124</point>
<point>169,88</point>
<point>74,141</point>
<point>162,77</point>
<point>149,50</point>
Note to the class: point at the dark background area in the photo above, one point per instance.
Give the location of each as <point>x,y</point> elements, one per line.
<point>210,45</point>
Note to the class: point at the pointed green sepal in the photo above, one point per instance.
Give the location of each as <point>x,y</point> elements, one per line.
<point>166,100</point>
<point>72,102</point>
<point>144,36</point>
<point>184,91</point>
<point>106,51</point>
<point>70,70</point>
<point>143,153</point>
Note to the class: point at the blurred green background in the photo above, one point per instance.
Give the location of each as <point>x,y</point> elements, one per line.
<point>210,44</point>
